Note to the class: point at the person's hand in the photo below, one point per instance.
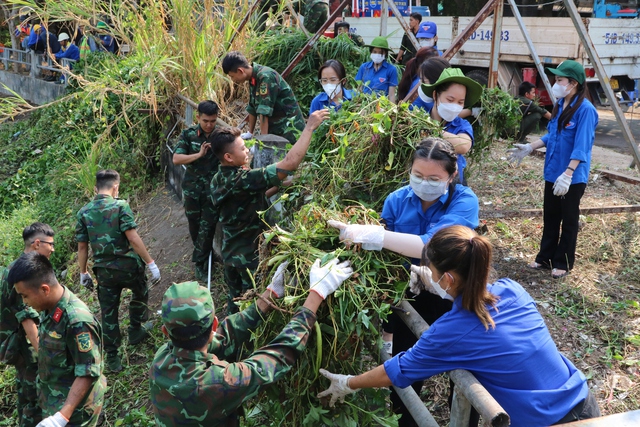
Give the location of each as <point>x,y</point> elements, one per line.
<point>561,186</point>
<point>246,135</point>
<point>325,280</point>
<point>421,280</point>
<point>155,272</point>
<point>55,420</point>
<point>371,236</point>
<point>204,148</point>
<point>338,389</point>
<point>86,281</point>
<point>519,152</point>
<point>317,117</point>
<point>277,283</point>
<point>475,111</point>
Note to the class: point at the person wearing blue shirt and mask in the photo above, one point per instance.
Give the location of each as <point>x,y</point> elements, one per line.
<point>332,76</point>
<point>493,330</point>
<point>412,214</point>
<point>452,93</point>
<point>378,75</point>
<point>411,75</point>
<point>427,35</point>
<point>429,72</point>
<point>571,132</point>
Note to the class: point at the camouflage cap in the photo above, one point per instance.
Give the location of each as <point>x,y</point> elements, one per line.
<point>187,310</point>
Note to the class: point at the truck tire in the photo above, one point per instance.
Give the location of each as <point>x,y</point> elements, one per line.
<point>480,76</point>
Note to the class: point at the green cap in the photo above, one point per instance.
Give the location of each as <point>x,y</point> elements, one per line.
<point>102,26</point>
<point>187,305</point>
<point>570,69</point>
<point>474,90</point>
<point>379,42</point>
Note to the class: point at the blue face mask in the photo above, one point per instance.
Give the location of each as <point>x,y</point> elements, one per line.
<point>428,190</point>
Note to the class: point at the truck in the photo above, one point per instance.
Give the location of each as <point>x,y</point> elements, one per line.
<point>617,42</point>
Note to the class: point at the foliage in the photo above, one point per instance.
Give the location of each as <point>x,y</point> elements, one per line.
<point>11,248</point>
<point>278,48</point>
<point>354,161</point>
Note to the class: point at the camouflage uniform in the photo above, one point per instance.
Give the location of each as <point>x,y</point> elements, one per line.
<point>70,346</point>
<point>103,222</point>
<point>195,192</point>
<point>205,389</point>
<point>316,14</point>
<point>271,96</point>
<point>238,195</point>
<point>17,351</point>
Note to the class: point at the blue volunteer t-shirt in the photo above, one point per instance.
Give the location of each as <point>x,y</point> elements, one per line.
<point>377,81</point>
<point>322,100</point>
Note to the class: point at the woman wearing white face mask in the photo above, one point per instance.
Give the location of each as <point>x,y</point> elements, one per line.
<point>332,76</point>
<point>412,215</point>
<point>377,75</point>
<point>411,75</point>
<point>493,330</point>
<point>427,35</point>
<point>571,132</point>
<point>429,72</point>
<point>452,93</point>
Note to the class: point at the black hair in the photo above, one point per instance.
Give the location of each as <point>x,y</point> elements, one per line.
<point>336,66</point>
<point>208,108</point>
<point>525,88</point>
<point>569,110</point>
<point>234,60</point>
<point>32,269</point>
<point>416,16</point>
<point>431,68</point>
<point>341,24</point>
<point>412,69</point>
<point>443,152</point>
<point>194,343</point>
<point>106,179</point>
<point>36,229</point>
<point>222,139</point>
<point>459,249</point>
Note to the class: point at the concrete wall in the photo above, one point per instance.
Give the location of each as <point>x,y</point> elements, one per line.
<point>36,91</point>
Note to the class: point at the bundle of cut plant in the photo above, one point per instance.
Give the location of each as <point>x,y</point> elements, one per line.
<point>356,159</point>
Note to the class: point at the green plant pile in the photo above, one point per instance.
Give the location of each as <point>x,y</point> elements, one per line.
<point>355,160</point>
<point>278,48</point>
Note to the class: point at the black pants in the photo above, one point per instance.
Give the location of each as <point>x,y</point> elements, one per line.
<point>527,125</point>
<point>560,231</point>
<point>584,410</point>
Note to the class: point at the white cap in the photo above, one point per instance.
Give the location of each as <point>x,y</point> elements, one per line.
<point>63,37</point>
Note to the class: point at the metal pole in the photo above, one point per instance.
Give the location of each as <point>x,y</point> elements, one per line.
<point>495,45</point>
<point>384,15</point>
<point>532,49</point>
<point>602,76</point>
<point>403,23</point>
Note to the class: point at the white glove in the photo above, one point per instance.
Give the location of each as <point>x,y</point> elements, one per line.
<point>421,280</point>
<point>325,280</point>
<point>475,111</point>
<point>387,346</point>
<point>155,272</point>
<point>55,420</point>
<point>338,389</point>
<point>277,283</point>
<point>371,236</point>
<point>246,135</point>
<point>86,281</point>
<point>520,152</point>
<point>561,186</point>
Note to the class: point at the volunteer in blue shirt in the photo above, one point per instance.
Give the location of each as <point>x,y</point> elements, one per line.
<point>452,93</point>
<point>571,132</point>
<point>378,75</point>
<point>70,51</point>
<point>429,72</point>
<point>427,35</point>
<point>332,76</point>
<point>411,75</point>
<point>412,214</point>
<point>494,331</point>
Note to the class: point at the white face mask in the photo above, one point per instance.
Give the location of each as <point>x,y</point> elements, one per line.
<point>560,91</point>
<point>377,58</point>
<point>332,90</point>
<point>423,96</point>
<point>425,190</point>
<point>449,111</point>
<point>442,292</point>
<point>427,42</point>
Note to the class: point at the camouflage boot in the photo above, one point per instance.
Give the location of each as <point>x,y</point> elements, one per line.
<point>136,336</point>
<point>114,364</point>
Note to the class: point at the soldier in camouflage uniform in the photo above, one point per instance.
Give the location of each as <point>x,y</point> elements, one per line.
<point>194,151</point>
<point>270,97</point>
<point>70,381</point>
<point>19,329</point>
<point>238,194</point>
<point>344,27</point>
<point>316,14</point>
<point>118,255</point>
<point>197,379</point>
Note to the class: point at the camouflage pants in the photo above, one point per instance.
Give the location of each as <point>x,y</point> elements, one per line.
<point>282,128</point>
<point>111,282</point>
<point>202,224</point>
<point>238,281</point>
<point>316,16</point>
<point>29,413</point>
<point>88,414</point>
